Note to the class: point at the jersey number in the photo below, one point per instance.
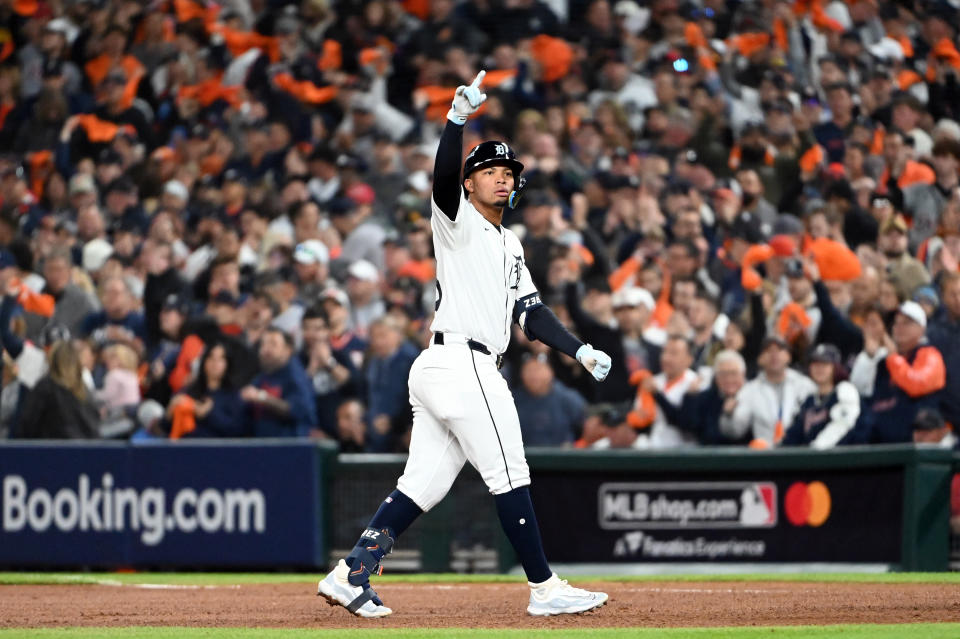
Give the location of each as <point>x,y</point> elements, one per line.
<point>436,305</point>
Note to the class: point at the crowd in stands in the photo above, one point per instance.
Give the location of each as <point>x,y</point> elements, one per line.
<point>215,217</point>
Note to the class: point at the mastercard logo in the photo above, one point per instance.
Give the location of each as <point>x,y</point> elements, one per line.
<point>807,504</point>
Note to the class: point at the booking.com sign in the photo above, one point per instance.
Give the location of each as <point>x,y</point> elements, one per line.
<point>169,504</point>
<point>807,504</point>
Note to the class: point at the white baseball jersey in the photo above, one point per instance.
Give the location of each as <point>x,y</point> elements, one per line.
<point>481,274</point>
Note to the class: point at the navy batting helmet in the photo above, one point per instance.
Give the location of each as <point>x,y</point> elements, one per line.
<point>491,153</point>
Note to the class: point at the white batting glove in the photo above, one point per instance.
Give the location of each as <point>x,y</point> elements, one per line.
<point>596,362</point>
<point>467,100</point>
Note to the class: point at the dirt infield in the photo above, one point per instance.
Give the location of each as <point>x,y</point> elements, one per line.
<point>648,604</point>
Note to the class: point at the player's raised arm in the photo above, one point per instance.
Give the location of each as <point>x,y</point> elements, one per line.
<point>446,169</point>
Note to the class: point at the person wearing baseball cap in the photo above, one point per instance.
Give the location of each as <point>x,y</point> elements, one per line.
<point>907,272</point>
<point>770,401</point>
<point>930,428</point>
<point>343,338</point>
<point>363,288</point>
<point>899,375</point>
<point>827,417</point>
<point>631,347</point>
<point>311,260</point>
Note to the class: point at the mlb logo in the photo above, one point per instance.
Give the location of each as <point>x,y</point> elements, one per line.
<point>758,505</point>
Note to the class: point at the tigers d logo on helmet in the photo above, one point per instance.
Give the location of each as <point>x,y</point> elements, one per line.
<point>493,153</point>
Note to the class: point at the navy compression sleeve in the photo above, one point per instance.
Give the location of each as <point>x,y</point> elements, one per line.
<point>446,170</point>
<point>542,324</point>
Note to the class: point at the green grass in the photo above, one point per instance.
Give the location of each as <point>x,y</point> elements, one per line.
<point>915,631</point>
<point>15,578</point>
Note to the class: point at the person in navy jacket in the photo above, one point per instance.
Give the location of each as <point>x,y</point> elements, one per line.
<point>280,400</point>
<point>828,416</point>
<point>386,372</point>
<point>219,409</point>
<point>118,321</point>
<point>898,376</point>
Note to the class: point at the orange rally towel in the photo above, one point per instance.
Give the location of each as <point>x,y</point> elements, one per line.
<point>793,321</point>
<point>184,418</point>
<point>757,254</point>
<point>98,68</point>
<point>906,45</point>
<point>554,55</point>
<point>644,407</point>
<point>780,34</point>
<point>209,91</point>
<point>331,57</point>
<point>821,20</point>
<point>41,164</point>
<point>190,349</point>
<point>239,42</point>
<point>749,43</point>
<point>834,260</point>
<point>36,303</point>
<point>187,10</point>
<point>693,34</point>
<point>812,158</point>
<point>97,130</point>
<point>305,91</point>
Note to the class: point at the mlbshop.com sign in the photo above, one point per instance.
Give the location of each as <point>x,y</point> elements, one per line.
<point>776,516</point>
<point>171,505</point>
<point>627,506</point>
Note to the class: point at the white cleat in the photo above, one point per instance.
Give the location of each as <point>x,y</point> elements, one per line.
<point>556,597</point>
<point>338,591</point>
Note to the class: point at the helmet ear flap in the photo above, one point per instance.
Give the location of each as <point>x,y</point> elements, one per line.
<point>517,192</point>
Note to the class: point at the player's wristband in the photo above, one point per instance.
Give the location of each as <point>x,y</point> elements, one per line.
<point>456,118</point>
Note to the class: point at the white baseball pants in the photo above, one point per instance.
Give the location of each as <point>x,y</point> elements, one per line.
<point>462,411</point>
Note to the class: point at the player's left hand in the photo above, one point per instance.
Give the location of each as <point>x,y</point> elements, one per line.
<point>467,100</point>
<point>596,362</point>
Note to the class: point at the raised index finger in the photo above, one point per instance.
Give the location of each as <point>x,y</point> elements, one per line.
<point>477,80</point>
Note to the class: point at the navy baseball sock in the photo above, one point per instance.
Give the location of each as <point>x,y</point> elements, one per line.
<point>396,512</point>
<point>520,524</point>
<point>394,516</point>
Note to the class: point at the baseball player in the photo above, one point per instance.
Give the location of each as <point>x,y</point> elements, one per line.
<point>462,408</point>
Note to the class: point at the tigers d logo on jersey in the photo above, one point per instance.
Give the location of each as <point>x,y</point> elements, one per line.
<point>515,271</point>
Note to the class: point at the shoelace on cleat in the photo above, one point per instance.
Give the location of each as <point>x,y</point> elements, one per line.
<point>566,588</point>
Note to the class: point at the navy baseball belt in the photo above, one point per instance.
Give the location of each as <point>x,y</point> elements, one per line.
<point>472,344</point>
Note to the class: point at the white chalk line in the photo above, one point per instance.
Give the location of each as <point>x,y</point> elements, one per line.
<point>119,584</point>
<point>752,591</point>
